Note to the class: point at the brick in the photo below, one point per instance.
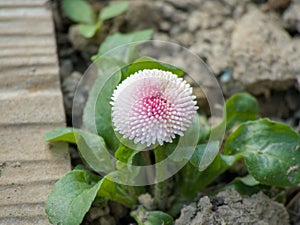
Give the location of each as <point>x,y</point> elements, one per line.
<point>33,78</point>
<point>25,194</point>
<point>21,210</point>
<point>27,51</point>
<point>31,107</point>
<point>15,41</point>
<point>19,3</point>
<point>15,61</point>
<point>39,13</point>
<point>19,27</point>
<point>21,143</point>
<point>24,220</point>
<point>25,172</point>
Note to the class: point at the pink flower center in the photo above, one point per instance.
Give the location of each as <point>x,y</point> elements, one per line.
<point>155,106</point>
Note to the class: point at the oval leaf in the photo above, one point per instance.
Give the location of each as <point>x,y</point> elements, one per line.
<point>89,30</point>
<point>117,192</point>
<point>143,217</point>
<point>97,112</point>
<point>71,197</point>
<point>271,151</point>
<point>204,155</point>
<point>113,10</point>
<point>91,147</point>
<point>128,53</point>
<point>79,11</point>
<point>149,63</point>
<point>240,108</point>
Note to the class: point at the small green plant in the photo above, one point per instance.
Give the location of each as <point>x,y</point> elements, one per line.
<point>147,103</point>
<point>89,22</point>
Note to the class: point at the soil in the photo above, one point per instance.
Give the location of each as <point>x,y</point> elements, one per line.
<point>250,45</point>
<point>226,208</point>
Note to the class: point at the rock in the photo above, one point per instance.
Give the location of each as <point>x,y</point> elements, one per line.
<point>165,26</point>
<point>258,54</point>
<point>294,209</point>
<point>118,210</point>
<point>147,201</point>
<point>210,15</point>
<point>69,87</point>
<point>275,4</point>
<point>107,220</point>
<point>97,212</point>
<point>66,68</point>
<point>292,99</point>
<point>79,42</point>
<point>143,11</point>
<point>229,207</point>
<point>292,53</point>
<point>291,16</point>
<point>213,25</point>
<point>185,5</point>
<point>213,47</point>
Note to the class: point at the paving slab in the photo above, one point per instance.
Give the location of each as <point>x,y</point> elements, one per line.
<point>30,105</point>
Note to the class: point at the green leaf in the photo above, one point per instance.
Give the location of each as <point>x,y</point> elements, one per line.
<point>125,154</point>
<point>149,63</point>
<point>249,180</point>
<point>79,11</point>
<point>91,147</point>
<point>240,108</point>
<point>117,192</point>
<point>128,53</point>
<point>89,30</point>
<point>271,151</point>
<point>143,217</point>
<point>61,134</point>
<point>204,129</point>
<point>113,10</point>
<point>205,154</point>
<point>97,112</point>
<point>72,197</point>
<point>245,185</point>
<point>193,181</point>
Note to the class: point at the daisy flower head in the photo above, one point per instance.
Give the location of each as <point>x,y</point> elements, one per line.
<point>152,106</point>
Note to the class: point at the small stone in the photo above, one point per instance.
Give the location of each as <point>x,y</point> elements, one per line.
<point>76,38</point>
<point>96,212</point>
<point>142,11</point>
<point>292,99</point>
<point>167,10</point>
<point>185,5</point>
<point>185,39</point>
<point>66,68</point>
<point>107,220</point>
<point>164,26</point>
<point>69,87</point>
<point>291,16</point>
<point>193,21</point>
<point>118,210</point>
<point>85,45</point>
<point>147,201</point>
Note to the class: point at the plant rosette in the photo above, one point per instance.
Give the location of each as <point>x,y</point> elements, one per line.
<point>89,23</point>
<point>143,127</point>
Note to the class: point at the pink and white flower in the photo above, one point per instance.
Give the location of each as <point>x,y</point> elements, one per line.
<point>152,106</point>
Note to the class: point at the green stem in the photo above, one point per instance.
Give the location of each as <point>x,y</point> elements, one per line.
<point>147,162</point>
<point>194,181</point>
<point>160,191</point>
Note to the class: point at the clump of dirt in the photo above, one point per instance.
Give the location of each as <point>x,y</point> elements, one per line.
<point>229,207</point>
